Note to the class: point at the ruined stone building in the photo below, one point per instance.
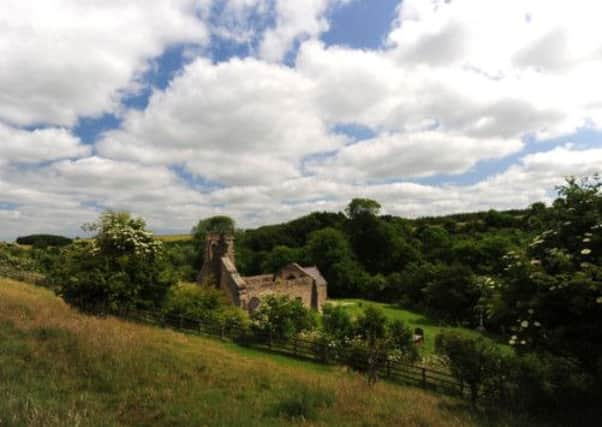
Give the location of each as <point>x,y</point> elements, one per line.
<point>304,283</point>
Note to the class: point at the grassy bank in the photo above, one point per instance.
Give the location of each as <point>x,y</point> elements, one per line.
<point>58,367</point>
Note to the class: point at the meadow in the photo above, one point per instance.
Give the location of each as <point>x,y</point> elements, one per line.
<point>412,319</point>
<point>58,367</point>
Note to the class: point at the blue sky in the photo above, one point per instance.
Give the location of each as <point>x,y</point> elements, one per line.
<point>269,109</point>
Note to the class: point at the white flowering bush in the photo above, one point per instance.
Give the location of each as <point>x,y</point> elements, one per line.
<point>549,297</point>
<point>122,267</point>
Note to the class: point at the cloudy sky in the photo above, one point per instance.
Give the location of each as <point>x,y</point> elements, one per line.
<point>269,109</point>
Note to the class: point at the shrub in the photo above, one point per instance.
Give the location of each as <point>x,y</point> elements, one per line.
<point>280,318</point>
<point>402,340</point>
<point>471,361</point>
<point>336,322</point>
<point>122,268</point>
<point>207,305</point>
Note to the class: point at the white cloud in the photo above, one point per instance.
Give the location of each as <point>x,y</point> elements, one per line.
<point>395,156</point>
<point>243,121</point>
<point>62,59</point>
<point>295,20</point>
<point>518,67</point>
<point>456,83</point>
<point>40,145</point>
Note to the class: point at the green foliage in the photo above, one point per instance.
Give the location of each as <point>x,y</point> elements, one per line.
<point>402,339</point>
<point>549,297</point>
<point>450,294</point>
<point>43,240</point>
<point>359,206</point>
<point>471,361</point>
<point>281,256</point>
<point>371,324</point>
<point>336,322</point>
<point>215,224</point>
<point>207,305</point>
<point>122,267</point>
<point>280,318</point>
<point>183,258</point>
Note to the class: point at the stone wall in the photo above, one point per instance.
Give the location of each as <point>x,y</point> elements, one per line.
<point>300,288</point>
<point>231,282</point>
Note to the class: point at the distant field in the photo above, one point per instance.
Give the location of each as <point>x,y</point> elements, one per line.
<point>58,368</point>
<point>414,320</point>
<point>174,237</point>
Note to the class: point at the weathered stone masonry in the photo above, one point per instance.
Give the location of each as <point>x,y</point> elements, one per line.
<point>304,283</point>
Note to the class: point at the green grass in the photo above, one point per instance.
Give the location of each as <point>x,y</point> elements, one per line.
<point>58,367</point>
<point>414,320</point>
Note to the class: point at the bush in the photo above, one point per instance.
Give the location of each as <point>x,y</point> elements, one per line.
<point>281,318</point>
<point>336,322</point>
<point>122,268</point>
<point>471,361</point>
<point>402,340</point>
<point>209,306</point>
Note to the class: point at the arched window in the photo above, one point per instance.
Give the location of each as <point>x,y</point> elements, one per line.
<point>254,303</point>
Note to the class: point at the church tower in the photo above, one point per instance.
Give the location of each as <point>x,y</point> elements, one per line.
<point>217,246</point>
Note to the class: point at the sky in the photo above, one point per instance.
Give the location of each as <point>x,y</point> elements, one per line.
<point>266,110</point>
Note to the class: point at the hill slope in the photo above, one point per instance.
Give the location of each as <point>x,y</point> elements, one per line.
<point>58,367</point>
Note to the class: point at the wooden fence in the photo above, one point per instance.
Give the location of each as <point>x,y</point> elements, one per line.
<point>391,370</point>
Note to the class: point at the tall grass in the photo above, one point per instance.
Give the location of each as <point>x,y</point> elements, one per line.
<point>60,368</point>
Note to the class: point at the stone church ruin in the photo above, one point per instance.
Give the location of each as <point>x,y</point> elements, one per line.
<point>304,283</point>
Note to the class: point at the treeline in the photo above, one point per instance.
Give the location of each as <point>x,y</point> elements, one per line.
<point>44,240</point>
<point>427,264</point>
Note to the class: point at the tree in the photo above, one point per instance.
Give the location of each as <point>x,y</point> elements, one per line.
<point>215,224</point>
<point>380,341</point>
<point>328,248</point>
<point>359,206</point>
<point>121,267</point>
<point>450,293</point>
<point>279,257</point>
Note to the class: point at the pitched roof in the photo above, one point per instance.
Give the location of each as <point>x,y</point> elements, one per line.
<point>314,272</point>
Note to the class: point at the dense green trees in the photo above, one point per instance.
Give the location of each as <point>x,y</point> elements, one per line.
<point>43,240</point>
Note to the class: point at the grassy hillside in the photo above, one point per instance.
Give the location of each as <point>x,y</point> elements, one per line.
<point>58,367</point>
<point>412,319</point>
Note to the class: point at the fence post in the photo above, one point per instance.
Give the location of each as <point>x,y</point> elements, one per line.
<point>222,332</point>
<point>181,321</point>
<point>423,377</point>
